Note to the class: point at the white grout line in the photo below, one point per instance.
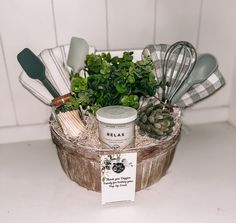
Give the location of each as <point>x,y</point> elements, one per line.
<point>24,133</point>
<point>206,115</point>
<point>157,3</point>
<point>107,26</point>
<point>8,80</point>
<point>155,22</point>
<point>54,21</point>
<point>232,125</point>
<point>199,24</point>
<point>25,125</point>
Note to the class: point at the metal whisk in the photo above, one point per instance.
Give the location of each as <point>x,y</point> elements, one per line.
<point>178,63</point>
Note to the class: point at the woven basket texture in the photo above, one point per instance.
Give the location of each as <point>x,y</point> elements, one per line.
<point>82,164</point>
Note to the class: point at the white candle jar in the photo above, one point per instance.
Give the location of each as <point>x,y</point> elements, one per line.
<point>116,126</point>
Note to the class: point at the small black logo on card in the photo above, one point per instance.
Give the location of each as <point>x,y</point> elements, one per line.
<point>118,167</point>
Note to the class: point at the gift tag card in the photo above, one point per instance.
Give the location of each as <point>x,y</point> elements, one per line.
<point>118,177</point>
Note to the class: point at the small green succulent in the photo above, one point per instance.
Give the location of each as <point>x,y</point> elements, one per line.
<point>155,121</point>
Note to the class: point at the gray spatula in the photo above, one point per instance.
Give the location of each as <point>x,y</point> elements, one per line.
<point>35,69</point>
<point>79,48</point>
<point>206,65</point>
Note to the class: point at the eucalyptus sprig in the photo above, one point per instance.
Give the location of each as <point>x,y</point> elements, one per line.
<point>112,81</point>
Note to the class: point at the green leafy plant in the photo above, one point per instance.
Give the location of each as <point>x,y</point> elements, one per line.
<point>112,81</point>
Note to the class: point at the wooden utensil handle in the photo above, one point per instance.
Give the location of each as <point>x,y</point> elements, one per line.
<point>61,100</point>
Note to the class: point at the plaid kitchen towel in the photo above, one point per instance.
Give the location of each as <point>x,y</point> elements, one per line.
<point>196,92</point>
<point>57,73</point>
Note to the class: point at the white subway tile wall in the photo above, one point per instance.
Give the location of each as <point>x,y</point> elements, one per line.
<point>7,115</point>
<point>25,23</point>
<point>177,20</point>
<point>232,104</point>
<point>130,23</point>
<point>82,18</point>
<point>109,24</point>
<point>218,36</point>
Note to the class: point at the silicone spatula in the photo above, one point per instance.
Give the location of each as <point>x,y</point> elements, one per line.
<point>205,66</point>
<point>35,69</point>
<point>79,48</point>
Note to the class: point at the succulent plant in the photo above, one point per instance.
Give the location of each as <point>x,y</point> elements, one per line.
<point>155,121</point>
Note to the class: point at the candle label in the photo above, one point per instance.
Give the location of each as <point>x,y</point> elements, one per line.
<point>117,136</point>
<point>118,177</point>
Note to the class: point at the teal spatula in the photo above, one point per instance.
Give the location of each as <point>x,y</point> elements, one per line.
<point>35,69</point>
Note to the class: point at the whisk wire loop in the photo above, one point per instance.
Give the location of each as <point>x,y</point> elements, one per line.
<point>179,60</point>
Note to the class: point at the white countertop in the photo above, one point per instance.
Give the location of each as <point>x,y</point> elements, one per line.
<point>200,186</point>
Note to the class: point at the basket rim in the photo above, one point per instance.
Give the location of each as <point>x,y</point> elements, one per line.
<point>164,142</point>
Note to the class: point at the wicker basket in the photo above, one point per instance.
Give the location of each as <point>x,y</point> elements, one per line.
<point>82,164</point>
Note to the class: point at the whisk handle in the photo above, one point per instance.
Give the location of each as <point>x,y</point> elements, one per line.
<point>178,95</point>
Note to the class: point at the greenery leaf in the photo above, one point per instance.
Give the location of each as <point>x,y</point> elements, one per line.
<point>111,81</point>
